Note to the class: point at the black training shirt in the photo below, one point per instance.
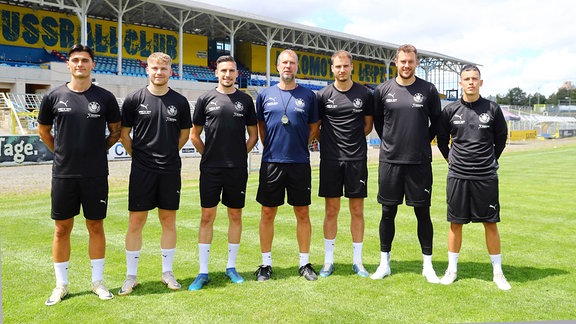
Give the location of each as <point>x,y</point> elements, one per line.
<point>80,120</point>
<point>406,118</point>
<point>478,131</point>
<point>342,129</point>
<point>224,118</point>
<point>156,122</point>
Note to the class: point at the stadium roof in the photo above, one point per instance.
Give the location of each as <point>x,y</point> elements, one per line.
<point>220,23</point>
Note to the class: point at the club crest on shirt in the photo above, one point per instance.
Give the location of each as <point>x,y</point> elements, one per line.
<point>418,97</point>
<point>300,102</point>
<point>484,119</point>
<point>94,109</point>
<point>239,106</point>
<point>418,100</point>
<point>358,103</point>
<point>172,110</point>
<point>239,109</point>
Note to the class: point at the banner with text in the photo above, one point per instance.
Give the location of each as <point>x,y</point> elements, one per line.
<point>23,150</point>
<point>58,31</point>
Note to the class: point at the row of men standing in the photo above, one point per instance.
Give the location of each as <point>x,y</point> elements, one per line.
<point>155,124</point>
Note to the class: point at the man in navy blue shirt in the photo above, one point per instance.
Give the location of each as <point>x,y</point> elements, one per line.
<point>287,122</point>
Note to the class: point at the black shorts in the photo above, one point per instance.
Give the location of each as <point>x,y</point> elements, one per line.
<point>350,175</point>
<point>472,201</point>
<point>230,182</point>
<point>276,178</point>
<point>148,190</point>
<point>411,180</point>
<point>68,194</point>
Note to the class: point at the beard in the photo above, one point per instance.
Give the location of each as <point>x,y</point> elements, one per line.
<point>159,83</point>
<point>407,77</point>
<point>287,78</point>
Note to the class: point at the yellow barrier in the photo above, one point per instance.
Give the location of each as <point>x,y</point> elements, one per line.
<point>523,135</point>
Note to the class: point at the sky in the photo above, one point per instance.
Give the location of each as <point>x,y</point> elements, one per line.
<point>530,44</point>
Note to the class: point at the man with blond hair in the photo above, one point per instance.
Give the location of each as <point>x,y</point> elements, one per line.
<point>287,122</point>
<point>159,119</point>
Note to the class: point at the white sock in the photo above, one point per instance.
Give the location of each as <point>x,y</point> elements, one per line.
<point>427,262</point>
<point>453,261</point>
<point>384,259</point>
<point>61,271</point>
<point>232,253</point>
<point>132,258</point>
<point>267,258</point>
<point>203,255</point>
<point>496,263</point>
<point>357,250</point>
<point>304,258</point>
<point>329,250</point>
<point>167,259</point>
<point>97,269</point>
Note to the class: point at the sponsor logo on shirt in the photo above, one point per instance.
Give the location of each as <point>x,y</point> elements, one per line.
<point>143,110</point>
<point>460,121</point>
<point>271,102</point>
<point>63,109</point>
<point>94,109</point>
<point>391,99</point>
<point>331,103</point>
<point>212,106</point>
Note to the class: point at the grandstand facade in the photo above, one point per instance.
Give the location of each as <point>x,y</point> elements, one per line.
<point>36,35</point>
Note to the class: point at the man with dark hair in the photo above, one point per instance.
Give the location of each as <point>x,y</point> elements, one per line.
<point>478,133</point>
<point>345,109</point>
<point>406,112</point>
<point>159,119</point>
<point>80,112</point>
<point>225,114</point>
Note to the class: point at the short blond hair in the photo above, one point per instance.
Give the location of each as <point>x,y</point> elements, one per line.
<point>160,57</point>
<point>287,52</point>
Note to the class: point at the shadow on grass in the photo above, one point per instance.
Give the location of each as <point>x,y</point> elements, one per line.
<point>475,270</point>
<point>466,270</point>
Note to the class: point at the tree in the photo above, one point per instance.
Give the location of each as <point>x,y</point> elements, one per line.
<point>538,98</point>
<point>564,92</point>
<point>517,97</point>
